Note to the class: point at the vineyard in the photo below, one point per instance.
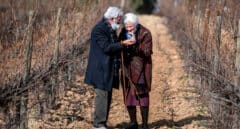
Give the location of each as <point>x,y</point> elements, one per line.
<point>42,47</point>
<point>44,51</point>
<point>208,32</point>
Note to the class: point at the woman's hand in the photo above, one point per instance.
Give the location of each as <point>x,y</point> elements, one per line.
<point>128,42</point>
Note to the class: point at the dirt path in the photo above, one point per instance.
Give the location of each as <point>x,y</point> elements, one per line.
<point>173,101</point>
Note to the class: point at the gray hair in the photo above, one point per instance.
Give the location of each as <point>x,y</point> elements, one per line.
<point>130,18</point>
<point>113,12</point>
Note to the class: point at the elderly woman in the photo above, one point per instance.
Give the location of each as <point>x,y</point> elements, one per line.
<point>138,69</point>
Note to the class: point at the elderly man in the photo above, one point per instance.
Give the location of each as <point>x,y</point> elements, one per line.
<point>138,63</point>
<point>103,63</point>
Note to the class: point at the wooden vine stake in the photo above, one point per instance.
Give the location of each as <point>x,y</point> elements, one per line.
<point>24,96</point>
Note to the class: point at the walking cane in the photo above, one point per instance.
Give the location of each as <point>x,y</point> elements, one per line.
<point>123,76</point>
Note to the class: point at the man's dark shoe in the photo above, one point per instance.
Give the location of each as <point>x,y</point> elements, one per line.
<point>100,126</point>
<point>132,126</point>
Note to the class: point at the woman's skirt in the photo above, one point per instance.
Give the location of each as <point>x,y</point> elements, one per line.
<point>134,99</point>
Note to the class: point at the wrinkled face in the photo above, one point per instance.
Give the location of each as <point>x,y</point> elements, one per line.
<point>130,27</point>
<point>115,22</point>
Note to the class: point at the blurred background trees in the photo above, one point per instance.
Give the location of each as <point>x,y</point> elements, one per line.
<point>143,6</point>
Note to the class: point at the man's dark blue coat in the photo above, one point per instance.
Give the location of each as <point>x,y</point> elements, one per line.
<point>100,68</point>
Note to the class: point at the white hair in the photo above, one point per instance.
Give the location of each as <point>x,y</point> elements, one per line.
<point>113,12</point>
<point>130,18</point>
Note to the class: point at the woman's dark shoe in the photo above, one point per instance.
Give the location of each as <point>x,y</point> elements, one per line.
<point>132,126</point>
<point>144,113</point>
<point>144,127</point>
